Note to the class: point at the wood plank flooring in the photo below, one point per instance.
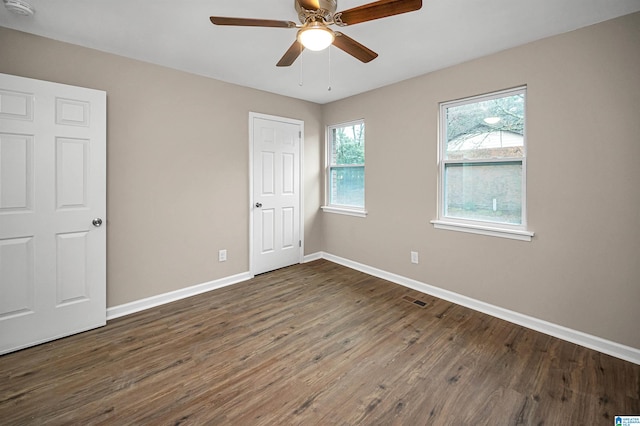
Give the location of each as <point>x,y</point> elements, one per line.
<point>314,344</point>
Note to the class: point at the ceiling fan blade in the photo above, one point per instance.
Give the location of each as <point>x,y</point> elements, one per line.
<point>291,55</point>
<point>377,10</point>
<point>246,22</point>
<point>354,48</point>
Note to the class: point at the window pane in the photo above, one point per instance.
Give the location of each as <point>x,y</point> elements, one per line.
<point>487,129</point>
<point>346,186</point>
<point>484,191</point>
<point>347,144</point>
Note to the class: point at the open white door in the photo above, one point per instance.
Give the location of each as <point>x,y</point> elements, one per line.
<point>52,211</point>
<point>276,145</point>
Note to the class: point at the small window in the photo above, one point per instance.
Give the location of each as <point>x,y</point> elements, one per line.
<point>345,168</point>
<point>483,164</point>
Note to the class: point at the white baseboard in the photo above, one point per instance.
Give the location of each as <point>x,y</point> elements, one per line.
<point>172,296</point>
<point>608,347</point>
<point>312,257</point>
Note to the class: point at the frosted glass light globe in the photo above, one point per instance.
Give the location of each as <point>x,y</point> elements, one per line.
<point>316,36</point>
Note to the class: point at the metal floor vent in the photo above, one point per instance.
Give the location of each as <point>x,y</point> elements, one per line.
<point>415,301</point>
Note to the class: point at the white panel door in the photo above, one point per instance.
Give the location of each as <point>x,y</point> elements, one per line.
<point>276,147</point>
<point>52,211</point>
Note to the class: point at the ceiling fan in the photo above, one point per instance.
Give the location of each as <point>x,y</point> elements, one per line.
<point>316,16</point>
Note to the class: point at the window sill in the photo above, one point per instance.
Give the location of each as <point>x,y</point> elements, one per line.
<point>513,234</point>
<point>344,210</point>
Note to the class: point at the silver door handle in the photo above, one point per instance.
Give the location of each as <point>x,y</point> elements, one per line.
<point>97,222</point>
<point>258,205</point>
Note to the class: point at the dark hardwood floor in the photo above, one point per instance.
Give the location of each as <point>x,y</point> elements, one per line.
<point>314,344</point>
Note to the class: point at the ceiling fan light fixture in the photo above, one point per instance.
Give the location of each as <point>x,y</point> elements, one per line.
<point>316,36</point>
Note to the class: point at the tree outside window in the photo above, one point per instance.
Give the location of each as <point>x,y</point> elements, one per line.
<point>346,165</point>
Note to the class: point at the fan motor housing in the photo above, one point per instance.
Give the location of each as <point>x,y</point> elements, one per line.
<point>326,9</point>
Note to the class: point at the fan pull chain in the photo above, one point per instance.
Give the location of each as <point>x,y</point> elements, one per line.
<point>329,88</point>
<point>301,82</point>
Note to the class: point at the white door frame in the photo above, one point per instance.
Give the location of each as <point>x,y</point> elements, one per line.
<point>253,115</point>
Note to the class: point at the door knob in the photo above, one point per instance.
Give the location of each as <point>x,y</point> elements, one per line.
<point>97,222</point>
<point>258,205</point>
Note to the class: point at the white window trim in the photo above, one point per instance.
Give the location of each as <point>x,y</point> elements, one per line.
<point>349,211</point>
<point>514,234</point>
<point>493,229</point>
<point>335,208</point>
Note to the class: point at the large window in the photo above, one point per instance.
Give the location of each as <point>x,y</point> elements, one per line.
<point>483,165</point>
<point>345,168</point>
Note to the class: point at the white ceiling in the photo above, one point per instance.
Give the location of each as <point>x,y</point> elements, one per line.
<point>178,34</point>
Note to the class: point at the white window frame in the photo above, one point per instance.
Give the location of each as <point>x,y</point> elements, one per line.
<point>336,208</point>
<point>496,229</point>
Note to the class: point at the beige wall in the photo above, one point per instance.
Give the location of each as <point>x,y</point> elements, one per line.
<point>582,269</point>
<point>177,158</point>
<point>178,184</point>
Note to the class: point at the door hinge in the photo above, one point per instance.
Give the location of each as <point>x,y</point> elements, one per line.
<point>300,134</point>
<point>299,243</point>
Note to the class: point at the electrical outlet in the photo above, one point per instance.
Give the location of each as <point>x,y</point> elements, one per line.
<point>222,255</point>
<point>414,257</point>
